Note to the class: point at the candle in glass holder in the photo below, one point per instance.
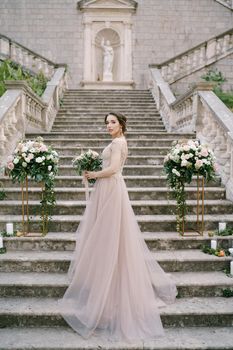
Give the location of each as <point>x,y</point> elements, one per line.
<point>221,226</point>
<point>1,242</point>
<point>231,268</point>
<point>9,228</point>
<point>213,244</point>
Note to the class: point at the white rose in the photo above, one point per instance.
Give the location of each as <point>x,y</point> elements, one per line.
<point>39,160</point>
<point>24,164</point>
<point>175,172</point>
<point>24,149</point>
<point>27,159</point>
<point>24,155</point>
<point>49,167</point>
<point>16,160</point>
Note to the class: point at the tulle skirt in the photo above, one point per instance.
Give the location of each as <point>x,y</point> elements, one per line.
<point>116,286</point>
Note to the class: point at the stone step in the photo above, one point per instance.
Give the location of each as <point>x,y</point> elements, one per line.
<point>190,260</point>
<point>148,223</point>
<point>109,104</point>
<point>63,338</point>
<point>131,160</point>
<point>185,312</point>
<point>65,241</point>
<point>131,114</point>
<point>76,127</point>
<point>128,170</point>
<point>76,150</point>
<point>108,108</point>
<point>96,142</point>
<point>103,135</point>
<point>99,118</point>
<point>54,285</point>
<point>144,193</point>
<point>140,207</point>
<point>131,181</point>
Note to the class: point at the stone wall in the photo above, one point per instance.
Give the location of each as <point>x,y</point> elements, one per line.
<point>162,29</point>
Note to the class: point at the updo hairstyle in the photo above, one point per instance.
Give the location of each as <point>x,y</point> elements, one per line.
<point>121,119</point>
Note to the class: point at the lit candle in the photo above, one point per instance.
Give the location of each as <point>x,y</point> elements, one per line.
<point>9,229</point>
<point>1,242</point>
<point>232,268</point>
<point>213,244</point>
<point>221,226</point>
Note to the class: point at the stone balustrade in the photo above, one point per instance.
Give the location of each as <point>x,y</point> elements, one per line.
<point>200,111</point>
<point>197,58</point>
<point>21,110</point>
<point>25,57</point>
<point>227,3</point>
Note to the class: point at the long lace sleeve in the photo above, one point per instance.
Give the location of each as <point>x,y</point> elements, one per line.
<point>115,163</point>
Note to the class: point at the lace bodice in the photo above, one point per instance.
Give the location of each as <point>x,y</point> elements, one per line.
<point>115,154</point>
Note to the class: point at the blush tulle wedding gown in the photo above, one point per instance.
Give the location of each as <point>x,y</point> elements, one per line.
<point>116,286</point>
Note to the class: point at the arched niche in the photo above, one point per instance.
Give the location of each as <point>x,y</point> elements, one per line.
<point>111,19</point>
<point>115,42</point>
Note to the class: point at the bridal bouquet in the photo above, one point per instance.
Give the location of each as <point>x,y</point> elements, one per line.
<point>185,159</point>
<point>87,161</point>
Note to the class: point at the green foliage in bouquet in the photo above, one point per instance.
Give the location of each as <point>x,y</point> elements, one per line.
<point>89,161</point>
<point>186,159</point>
<point>11,71</point>
<point>32,159</point>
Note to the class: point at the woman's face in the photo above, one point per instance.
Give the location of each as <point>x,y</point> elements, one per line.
<point>113,126</point>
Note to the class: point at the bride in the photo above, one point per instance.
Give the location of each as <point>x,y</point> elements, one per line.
<point>116,286</point>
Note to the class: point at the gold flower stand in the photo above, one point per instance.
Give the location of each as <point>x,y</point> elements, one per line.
<point>199,212</point>
<point>25,212</point>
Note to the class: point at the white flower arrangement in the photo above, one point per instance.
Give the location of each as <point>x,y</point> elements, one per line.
<point>185,159</point>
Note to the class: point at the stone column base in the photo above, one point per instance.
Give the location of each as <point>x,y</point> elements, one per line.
<point>108,85</point>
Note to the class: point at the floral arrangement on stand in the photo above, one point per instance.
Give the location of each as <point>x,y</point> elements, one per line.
<point>34,160</point>
<point>186,159</point>
<point>87,161</point>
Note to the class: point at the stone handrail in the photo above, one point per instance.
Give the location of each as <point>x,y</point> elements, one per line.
<point>196,58</point>
<point>200,111</point>
<point>10,49</point>
<point>21,110</point>
<point>227,3</point>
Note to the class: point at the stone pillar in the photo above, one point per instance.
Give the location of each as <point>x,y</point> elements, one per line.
<point>87,51</point>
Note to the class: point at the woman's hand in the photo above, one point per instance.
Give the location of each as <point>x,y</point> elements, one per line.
<point>90,175</point>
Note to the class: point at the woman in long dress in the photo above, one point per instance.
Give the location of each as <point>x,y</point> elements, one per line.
<point>116,286</point>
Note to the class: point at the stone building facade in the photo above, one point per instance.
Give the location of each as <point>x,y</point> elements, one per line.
<point>161,29</point>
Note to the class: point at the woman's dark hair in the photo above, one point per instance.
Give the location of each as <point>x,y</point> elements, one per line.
<point>121,119</point>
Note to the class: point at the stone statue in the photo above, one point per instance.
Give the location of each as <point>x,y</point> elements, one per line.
<point>108,55</point>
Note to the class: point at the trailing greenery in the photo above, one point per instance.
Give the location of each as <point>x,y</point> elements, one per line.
<point>227,232</point>
<point>213,75</point>
<point>11,71</point>
<point>217,252</point>
<point>2,192</point>
<point>227,293</point>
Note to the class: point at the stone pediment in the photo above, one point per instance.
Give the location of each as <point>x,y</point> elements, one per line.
<point>107,4</point>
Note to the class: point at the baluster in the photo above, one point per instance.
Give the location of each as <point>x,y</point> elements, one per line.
<point>226,41</point>
<point>164,72</point>
<point>219,44</point>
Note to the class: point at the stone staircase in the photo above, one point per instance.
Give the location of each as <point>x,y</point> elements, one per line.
<point>33,271</point>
